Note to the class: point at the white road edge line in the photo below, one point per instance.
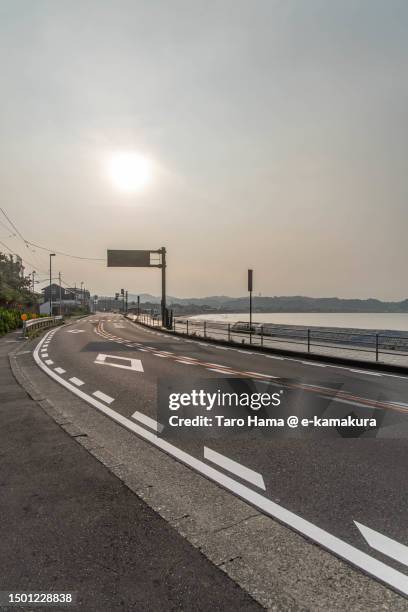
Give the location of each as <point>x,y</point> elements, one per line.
<point>383,572</point>
<point>235,468</point>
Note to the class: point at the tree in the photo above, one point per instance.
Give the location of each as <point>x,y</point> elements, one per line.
<point>14,286</point>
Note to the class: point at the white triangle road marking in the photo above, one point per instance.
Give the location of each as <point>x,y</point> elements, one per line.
<point>384,544</point>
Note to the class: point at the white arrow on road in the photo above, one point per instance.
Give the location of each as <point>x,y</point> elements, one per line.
<point>384,544</point>
<point>129,363</point>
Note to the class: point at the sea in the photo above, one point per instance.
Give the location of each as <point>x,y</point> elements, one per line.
<point>347,320</point>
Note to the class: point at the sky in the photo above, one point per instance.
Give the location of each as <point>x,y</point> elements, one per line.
<point>277,131</point>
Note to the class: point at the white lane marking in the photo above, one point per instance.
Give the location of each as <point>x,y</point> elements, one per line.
<point>245,352</point>
<point>384,544</point>
<point>235,468</point>
<point>59,370</point>
<point>44,354</point>
<point>377,569</point>
<point>186,357</point>
<point>160,355</point>
<point>186,362</point>
<point>273,357</point>
<point>75,331</point>
<point>364,372</point>
<point>217,370</point>
<point>78,382</point>
<point>143,418</point>
<point>217,365</point>
<point>222,348</point>
<point>260,374</point>
<point>143,350</point>
<point>132,364</point>
<point>103,397</point>
<point>318,365</point>
<point>202,344</point>
<point>404,404</point>
<point>49,361</point>
<point>23,352</point>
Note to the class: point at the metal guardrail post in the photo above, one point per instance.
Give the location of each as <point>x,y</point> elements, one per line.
<point>187,327</point>
<point>205,329</point>
<point>229,332</point>
<point>262,337</point>
<point>308,340</point>
<point>376,347</point>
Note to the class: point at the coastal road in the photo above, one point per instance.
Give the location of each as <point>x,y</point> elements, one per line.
<point>347,494</point>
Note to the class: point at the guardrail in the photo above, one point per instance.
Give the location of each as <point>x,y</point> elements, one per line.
<point>41,323</point>
<point>376,346</point>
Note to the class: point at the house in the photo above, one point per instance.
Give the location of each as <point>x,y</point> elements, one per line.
<point>68,298</point>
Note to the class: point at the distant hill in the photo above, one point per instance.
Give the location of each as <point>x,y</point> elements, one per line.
<point>296,303</point>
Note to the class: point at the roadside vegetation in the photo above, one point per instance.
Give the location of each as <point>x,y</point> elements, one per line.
<point>15,295</point>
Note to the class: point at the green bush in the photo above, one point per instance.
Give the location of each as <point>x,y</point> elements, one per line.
<point>11,319</point>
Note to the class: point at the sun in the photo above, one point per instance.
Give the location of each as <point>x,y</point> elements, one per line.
<point>130,172</point>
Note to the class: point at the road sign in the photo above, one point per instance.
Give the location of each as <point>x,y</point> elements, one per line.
<point>250,277</point>
<point>129,258</point>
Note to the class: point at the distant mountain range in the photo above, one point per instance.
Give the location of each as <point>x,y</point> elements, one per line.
<point>298,303</point>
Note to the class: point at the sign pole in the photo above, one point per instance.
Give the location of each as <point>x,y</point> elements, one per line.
<point>250,287</point>
<point>163,299</point>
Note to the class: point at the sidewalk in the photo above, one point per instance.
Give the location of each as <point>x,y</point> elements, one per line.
<point>68,524</point>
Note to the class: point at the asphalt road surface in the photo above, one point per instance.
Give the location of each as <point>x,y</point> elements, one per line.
<point>348,494</point>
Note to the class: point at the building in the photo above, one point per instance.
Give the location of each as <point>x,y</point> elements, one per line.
<point>69,298</point>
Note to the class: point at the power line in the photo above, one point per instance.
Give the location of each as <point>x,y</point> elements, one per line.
<point>22,259</point>
<point>62,253</point>
<point>12,225</point>
<point>38,246</point>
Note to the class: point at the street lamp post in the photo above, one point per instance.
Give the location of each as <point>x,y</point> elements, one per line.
<point>51,255</point>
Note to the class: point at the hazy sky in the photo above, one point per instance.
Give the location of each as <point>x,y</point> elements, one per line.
<point>278,131</point>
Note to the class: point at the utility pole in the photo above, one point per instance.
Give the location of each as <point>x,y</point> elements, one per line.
<point>138,305</point>
<point>126,301</point>
<point>33,273</point>
<point>60,296</point>
<point>51,255</point>
<point>82,294</point>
